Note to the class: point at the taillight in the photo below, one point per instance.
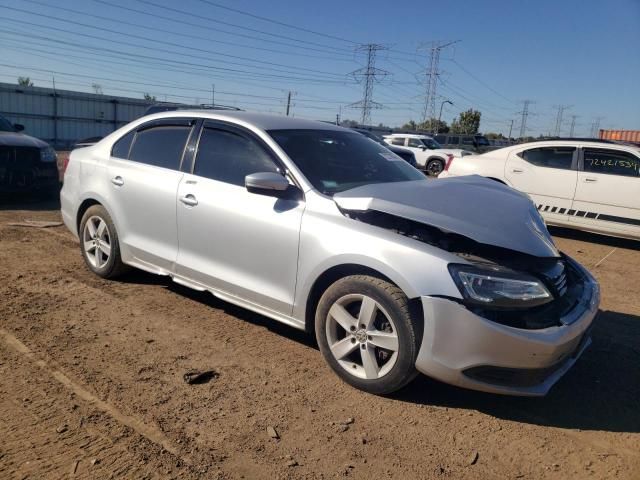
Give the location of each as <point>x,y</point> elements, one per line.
<point>65,162</point>
<point>449,162</point>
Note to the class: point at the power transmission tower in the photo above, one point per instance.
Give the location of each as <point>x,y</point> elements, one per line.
<point>573,125</point>
<point>368,76</point>
<point>525,113</point>
<point>561,110</point>
<point>595,127</point>
<point>432,74</point>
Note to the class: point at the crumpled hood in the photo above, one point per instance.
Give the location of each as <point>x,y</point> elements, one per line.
<point>14,139</point>
<point>478,208</point>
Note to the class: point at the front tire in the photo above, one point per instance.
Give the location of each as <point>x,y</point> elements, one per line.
<point>99,243</point>
<point>434,167</point>
<point>367,333</point>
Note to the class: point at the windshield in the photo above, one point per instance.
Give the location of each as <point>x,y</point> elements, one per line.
<point>5,125</point>
<point>335,161</point>
<point>431,144</point>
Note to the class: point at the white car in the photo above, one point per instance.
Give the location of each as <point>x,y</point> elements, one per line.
<point>584,184</point>
<point>430,156</point>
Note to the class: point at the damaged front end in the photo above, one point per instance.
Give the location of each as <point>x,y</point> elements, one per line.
<point>520,280</point>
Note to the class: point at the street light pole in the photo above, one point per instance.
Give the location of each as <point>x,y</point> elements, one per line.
<point>440,116</point>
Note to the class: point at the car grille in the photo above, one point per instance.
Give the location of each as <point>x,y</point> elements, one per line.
<point>20,168</point>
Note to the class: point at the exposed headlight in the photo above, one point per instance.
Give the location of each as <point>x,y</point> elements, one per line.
<point>495,287</point>
<point>48,155</point>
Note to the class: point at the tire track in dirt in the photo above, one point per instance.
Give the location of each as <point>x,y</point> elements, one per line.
<point>147,431</point>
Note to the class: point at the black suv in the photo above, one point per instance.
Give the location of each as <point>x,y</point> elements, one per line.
<point>26,163</point>
<point>476,143</point>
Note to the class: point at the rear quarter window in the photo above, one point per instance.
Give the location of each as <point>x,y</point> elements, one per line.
<point>121,147</point>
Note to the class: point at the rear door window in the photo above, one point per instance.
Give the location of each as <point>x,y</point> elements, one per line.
<point>550,157</point>
<point>228,156</point>
<point>397,141</point>
<point>160,145</point>
<point>611,162</point>
<point>415,143</point>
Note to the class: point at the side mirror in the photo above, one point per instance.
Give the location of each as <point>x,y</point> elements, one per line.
<point>423,148</point>
<point>266,183</point>
<point>18,126</point>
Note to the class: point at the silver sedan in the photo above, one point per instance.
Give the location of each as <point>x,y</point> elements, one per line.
<point>318,227</point>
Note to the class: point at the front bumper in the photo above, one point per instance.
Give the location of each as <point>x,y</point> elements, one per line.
<point>467,350</point>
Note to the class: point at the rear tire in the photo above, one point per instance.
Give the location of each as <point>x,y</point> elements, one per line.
<point>368,334</point>
<point>99,243</point>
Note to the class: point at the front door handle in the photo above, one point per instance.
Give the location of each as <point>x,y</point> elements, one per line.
<point>189,200</point>
<point>590,179</point>
<point>117,181</point>
<point>517,170</point>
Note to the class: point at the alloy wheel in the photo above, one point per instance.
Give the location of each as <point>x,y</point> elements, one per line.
<point>362,336</point>
<point>96,241</point>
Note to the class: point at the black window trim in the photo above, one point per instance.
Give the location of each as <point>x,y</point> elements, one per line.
<point>581,161</point>
<point>574,160</point>
<point>171,121</point>
<point>242,131</point>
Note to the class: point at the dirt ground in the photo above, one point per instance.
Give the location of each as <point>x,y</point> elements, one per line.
<point>91,385</point>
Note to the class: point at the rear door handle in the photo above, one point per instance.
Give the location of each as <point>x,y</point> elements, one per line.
<point>517,170</point>
<point>117,181</point>
<point>590,179</point>
<point>189,200</point>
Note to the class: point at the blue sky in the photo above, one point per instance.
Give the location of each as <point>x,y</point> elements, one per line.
<point>580,53</point>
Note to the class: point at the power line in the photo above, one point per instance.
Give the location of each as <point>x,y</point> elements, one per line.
<point>368,75</point>
<point>452,60</point>
<point>210,28</point>
<point>177,62</point>
<point>140,37</point>
<point>432,74</point>
<point>277,22</point>
<point>229,24</point>
<point>185,34</point>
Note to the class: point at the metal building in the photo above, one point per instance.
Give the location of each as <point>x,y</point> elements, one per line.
<point>62,117</point>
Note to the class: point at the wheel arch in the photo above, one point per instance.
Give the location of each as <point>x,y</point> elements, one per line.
<point>335,273</point>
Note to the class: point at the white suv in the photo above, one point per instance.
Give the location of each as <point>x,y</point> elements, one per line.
<point>584,184</point>
<point>430,156</point>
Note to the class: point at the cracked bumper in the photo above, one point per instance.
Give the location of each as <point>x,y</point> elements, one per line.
<point>469,351</point>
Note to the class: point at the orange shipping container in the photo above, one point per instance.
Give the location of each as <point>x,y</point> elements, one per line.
<point>621,135</point>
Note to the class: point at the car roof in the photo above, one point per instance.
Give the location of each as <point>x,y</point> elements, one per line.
<point>263,121</point>
<point>410,135</point>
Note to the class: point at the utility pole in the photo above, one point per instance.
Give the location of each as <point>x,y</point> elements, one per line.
<point>573,125</point>
<point>432,74</point>
<point>213,94</point>
<point>561,109</point>
<point>525,114</point>
<point>288,102</point>
<point>368,76</point>
<point>510,129</point>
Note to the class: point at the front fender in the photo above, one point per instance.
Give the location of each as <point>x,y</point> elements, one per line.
<point>330,240</point>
